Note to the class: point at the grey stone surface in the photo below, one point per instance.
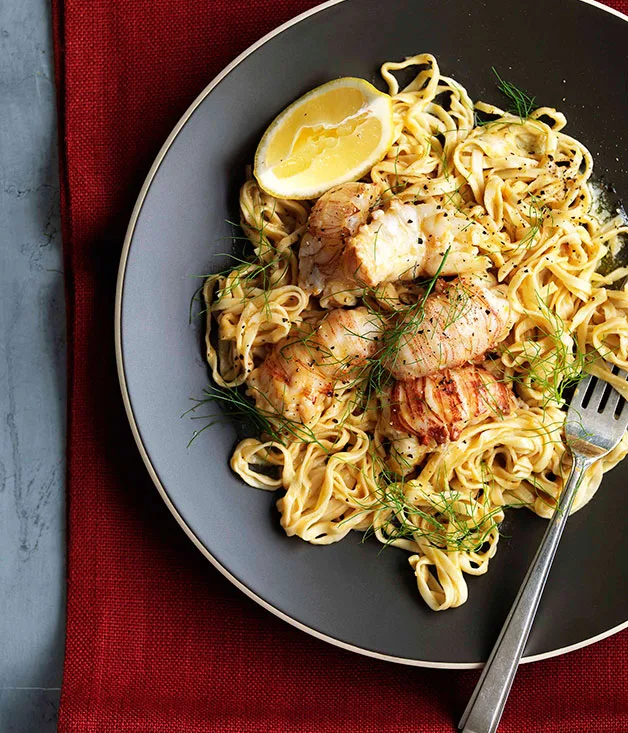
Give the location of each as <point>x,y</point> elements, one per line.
<point>32,376</point>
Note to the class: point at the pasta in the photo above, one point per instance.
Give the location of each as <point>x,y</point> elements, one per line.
<point>518,193</point>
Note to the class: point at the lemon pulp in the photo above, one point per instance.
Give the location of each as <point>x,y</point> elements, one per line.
<point>333,134</point>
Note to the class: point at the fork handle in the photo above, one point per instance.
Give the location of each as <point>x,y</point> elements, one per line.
<point>485,708</point>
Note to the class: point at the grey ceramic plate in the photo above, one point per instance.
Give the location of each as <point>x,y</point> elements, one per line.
<point>570,54</point>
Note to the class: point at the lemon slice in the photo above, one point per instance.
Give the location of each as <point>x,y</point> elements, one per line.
<point>333,134</point>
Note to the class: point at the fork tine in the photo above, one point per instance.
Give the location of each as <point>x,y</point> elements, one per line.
<point>581,390</point>
<point>613,402</point>
<point>596,397</point>
<point>615,398</point>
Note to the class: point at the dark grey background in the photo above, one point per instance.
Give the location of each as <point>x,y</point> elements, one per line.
<point>32,376</point>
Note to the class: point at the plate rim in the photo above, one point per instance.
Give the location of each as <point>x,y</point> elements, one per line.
<point>131,417</point>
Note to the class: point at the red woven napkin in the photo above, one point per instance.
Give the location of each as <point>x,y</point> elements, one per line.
<point>157,640</point>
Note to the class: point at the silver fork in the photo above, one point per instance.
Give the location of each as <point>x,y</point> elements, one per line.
<point>596,420</point>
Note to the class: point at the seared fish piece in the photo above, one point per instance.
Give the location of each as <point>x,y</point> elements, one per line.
<point>437,408</point>
<point>334,219</point>
<point>298,378</point>
<point>464,319</point>
<point>405,241</point>
<point>343,251</point>
<point>424,414</point>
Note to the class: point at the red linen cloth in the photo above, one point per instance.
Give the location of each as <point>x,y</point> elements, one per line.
<point>157,640</point>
